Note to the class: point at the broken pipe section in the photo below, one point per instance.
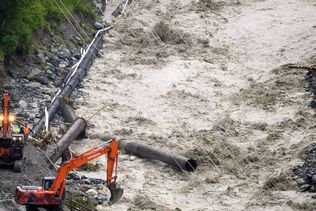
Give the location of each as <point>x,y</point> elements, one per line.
<point>69,113</point>
<point>70,116</point>
<point>149,152</point>
<point>72,133</point>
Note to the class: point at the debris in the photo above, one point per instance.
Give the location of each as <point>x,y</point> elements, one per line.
<point>310,67</point>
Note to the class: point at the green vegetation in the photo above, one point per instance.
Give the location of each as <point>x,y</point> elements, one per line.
<point>19,19</point>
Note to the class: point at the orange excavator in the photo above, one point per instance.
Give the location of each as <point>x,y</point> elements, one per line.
<point>52,193</point>
<point>11,142</point>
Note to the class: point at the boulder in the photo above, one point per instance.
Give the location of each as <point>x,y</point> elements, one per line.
<point>92,192</point>
<point>23,104</point>
<point>64,53</point>
<point>42,58</point>
<point>35,72</point>
<point>34,85</point>
<point>98,25</point>
<point>73,176</point>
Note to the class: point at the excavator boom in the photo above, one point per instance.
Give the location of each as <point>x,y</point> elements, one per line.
<point>11,142</point>
<point>52,195</point>
<point>5,114</point>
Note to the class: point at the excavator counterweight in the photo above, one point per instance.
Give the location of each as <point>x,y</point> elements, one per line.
<point>52,192</point>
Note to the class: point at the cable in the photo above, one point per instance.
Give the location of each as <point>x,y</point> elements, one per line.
<point>69,20</point>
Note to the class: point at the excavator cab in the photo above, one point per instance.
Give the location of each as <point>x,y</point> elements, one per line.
<point>47,182</point>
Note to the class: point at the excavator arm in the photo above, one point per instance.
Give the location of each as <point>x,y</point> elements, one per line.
<point>5,117</point>
<point>110,149</point>
<point>5,114</point>
<point>39,196</point>
<point>11,143</point>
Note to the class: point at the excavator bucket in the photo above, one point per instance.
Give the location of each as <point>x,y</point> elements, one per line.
<point>116,193</point>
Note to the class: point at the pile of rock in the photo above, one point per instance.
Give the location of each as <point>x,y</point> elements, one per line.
<point>31,92</point>
<point>56,66</point>
<point>91,188</point>
<point>307,171</point>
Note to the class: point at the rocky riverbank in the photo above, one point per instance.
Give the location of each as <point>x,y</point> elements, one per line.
<point>33,81</point>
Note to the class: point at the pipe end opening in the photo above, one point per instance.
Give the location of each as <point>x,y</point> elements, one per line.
<point>191,165</point>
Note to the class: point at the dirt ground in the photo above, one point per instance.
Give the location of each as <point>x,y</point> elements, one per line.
<point>207,80</point>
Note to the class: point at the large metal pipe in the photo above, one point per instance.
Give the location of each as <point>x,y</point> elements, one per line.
<point>69,113</point>
<point>149,152</point>
<point>72,133</point>
<point>68,88</point>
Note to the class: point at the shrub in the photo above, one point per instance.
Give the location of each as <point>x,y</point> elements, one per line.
<point>8,43</point>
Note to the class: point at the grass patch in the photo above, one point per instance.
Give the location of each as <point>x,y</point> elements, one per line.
<point>20,19</point>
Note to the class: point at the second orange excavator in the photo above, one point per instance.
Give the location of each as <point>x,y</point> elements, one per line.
<point>52,193</point>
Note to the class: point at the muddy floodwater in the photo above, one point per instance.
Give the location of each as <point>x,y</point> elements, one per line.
<point>206,79</point>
